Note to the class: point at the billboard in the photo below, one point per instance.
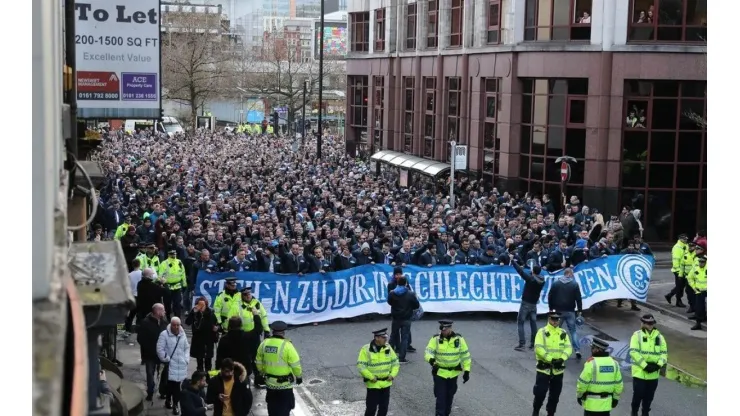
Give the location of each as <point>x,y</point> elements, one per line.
<point>335,40</point>
<point>118,64</point>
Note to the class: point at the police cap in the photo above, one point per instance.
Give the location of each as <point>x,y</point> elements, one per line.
<point>648,318</point>
<point>230,280</point>
<point>151,245</point>
<point>553,314</point>
<point>172,252</point>
<point>381,332</point>
<point>703,258</point>
<point>445,324</point>
<point>279,326</point>
<point>683,237</point>
<point>599,343</point>
<point>247,289</point>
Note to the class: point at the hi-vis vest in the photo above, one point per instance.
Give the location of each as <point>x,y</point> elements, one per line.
<point>247,317</point>
<point>278,361</point>
<point>647,348</point>
<point>173,272</point>
<point>687,263</point>
<point>677,253</point>
<point>451,356</point>
<point>225,306</point>
<point>697,278</point>
<point>599,383</point>
<point>265,323</point>
<point>378,365</point>
<point>551,343</point>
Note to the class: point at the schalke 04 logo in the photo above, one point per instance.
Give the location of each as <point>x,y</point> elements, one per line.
<point>634,271</point>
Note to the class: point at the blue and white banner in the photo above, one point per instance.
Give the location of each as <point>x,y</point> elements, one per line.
<point>363,290</point>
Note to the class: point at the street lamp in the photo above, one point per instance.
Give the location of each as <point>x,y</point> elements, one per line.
<point>305,94</point>
<point>319,129</point>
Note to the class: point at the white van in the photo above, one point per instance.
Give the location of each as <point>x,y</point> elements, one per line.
<point>169,125</point>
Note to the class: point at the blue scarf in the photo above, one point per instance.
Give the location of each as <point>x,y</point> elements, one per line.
<point>400,290</point>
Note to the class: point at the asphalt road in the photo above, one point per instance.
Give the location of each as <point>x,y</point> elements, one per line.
<point>501,380</point>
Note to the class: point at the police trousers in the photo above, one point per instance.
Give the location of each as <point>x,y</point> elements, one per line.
<point>444,392</point>
<point>589,413</point>
<point>690,296</point>
<point>678,289</point>
<point>280,402</point>
<point>643,392</point>
<point>376,402</point>
<point>253,344</point>
<point>544,384</point>
<point>700,307</point>
<point>173,303</point>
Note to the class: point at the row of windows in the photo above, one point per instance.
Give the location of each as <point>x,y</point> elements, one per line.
<point>544,20</point>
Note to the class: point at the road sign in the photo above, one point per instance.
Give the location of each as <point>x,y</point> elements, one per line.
<point>461,157</point>
<point>98,85</point>
<point>139,87</point>
<point>564,171</point>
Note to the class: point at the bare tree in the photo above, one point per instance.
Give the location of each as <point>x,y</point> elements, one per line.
<point>279,75</point>
<point>194,53</point>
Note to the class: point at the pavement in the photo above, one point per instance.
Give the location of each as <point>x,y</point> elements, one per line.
<point>128,354</point>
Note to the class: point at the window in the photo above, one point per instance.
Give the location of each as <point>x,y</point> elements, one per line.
<point>432,20</point>
<point>378,107</point>
<point>430,91</point>
<point>408,114</point>
<point>454,88</point>
<point>456,23</point>
<point>547,20</point>
<point>668,21</point>
<point>359,95</point>
<point>360,31</point>
<point>553,125</point>
<point>494,22</point>
<point>411,27</point>
<point>664,166</point>
<point>489,116</point>
<point>379,30</point>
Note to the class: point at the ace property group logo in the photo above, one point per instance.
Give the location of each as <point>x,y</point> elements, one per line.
<point>118,55</point>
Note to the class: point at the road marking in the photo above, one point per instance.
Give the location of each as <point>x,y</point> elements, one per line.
<point>301,408</point>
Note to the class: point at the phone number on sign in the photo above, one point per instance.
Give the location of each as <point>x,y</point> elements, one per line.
<point>139,96</point>
<point>97,95</point>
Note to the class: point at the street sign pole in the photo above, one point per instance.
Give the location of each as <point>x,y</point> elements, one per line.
<point>453,148</point>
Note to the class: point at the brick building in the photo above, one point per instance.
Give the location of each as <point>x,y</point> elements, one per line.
<point>615,84</point>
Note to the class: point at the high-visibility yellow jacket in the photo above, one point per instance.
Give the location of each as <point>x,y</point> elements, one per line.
<point>120,231</point>
<point>225,306</point>
<point>247,317</point>
<point>256,304</point>
<point>173,273</point>
<point>599,383</point>
<point>687,263</point>
<point>551,343</point>
<point>378,363</point>
<point>279,362</point>
<point>451,355</point>
<point>677,255</point>
<point>647,347</point>
<point>697,278</point>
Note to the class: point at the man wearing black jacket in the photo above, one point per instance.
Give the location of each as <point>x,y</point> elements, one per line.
<point>398,273</point>
<point>403,303</point>
<point>565,299</point>
<point>233,376</point>
<point>147,335</point>
<point>533,284</point>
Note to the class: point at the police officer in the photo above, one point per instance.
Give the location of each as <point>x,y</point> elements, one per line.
<point>448,354</point>
<point>687,263</point>
<point>254,322</point>
<point>378,365</point>
<point>552,348</point>
<point>697,280</point>
<point>152,259</point>
<point>600,385</point>
<point>278,361</point>
<point>649,353</point>
<point>677,253</point>
<point>172,271</point>
<point>227,303</point>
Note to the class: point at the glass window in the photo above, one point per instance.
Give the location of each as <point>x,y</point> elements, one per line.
<point>665,89</point>
<point>430,101</point>
<point>557,20</point>
<point>538,169</point>
<point>575,143</point>
<point>527,109</point>
<point>665,115</point>
<point>555,110</point>
<point>577,114</point>
<point>662,146</point>
<point>692,115</point>
<point>555,141</point>
<point>633,175</point>
<point>696,89</point>
<point>428,148</point>
<point>429,126</point>
<point>661,175</point>
<point>578,86</point>
<point>491,107</point>
<point>636,114</point>
<point>668,21</point>
<point>524,166</point>
<point>539,137</point>
<point>525,139</point>
<point>553,170</point>
<point>658,216</point>
<point>688,176</point>
<point>635,146</point>
<point>635,199</point>
<point>489,136</point>
<point>577,173</point>
<point>689,147</point>
<point>686,212</point>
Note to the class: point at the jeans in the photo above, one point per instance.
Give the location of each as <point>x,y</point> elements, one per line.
<point>151,369</point>
<point>527,312</point>
<point>400,331</point>
<point>569,319</point>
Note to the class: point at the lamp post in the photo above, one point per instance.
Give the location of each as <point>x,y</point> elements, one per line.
<point>305,100</point>
<point>319,128</point>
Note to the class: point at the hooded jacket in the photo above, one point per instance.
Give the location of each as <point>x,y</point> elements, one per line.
<point>533,285</point>
<point>241,395</point>
<point>565,295</point>
<point>174,353</point>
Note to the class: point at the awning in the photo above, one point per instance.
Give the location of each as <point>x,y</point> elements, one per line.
<point>413,163</point>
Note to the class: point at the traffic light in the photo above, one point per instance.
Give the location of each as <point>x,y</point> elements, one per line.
<point>275,123</point>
